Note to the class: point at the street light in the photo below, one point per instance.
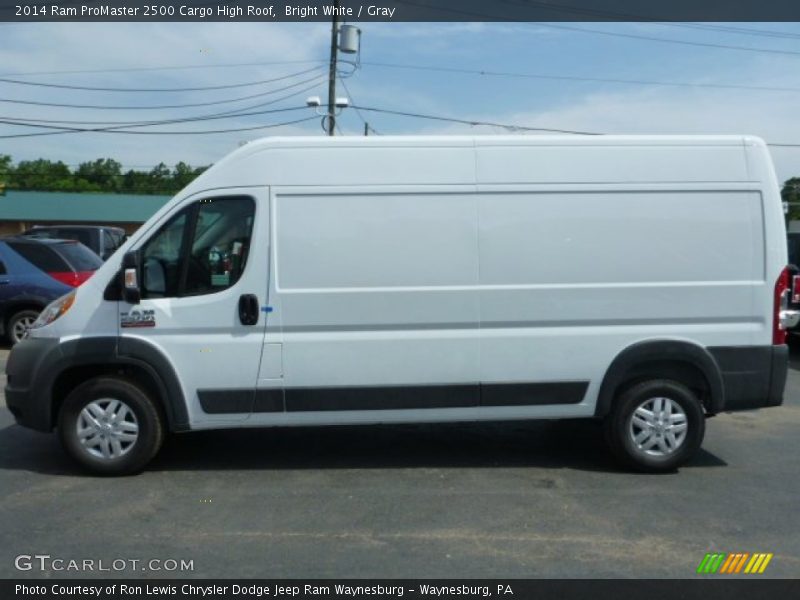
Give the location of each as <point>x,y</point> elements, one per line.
<point>339,104</point>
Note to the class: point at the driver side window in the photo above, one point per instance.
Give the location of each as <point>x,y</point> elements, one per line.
<point>201,250</point>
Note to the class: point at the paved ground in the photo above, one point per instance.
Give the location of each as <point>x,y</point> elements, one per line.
<point>496,500</point>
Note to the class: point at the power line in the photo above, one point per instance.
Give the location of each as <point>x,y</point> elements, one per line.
<point>513,127</point>
<point>240,112</point>
<point>12,121</point>
<point>161,107</point>
<point>738,30</point>
<point>669,40</point>
<point>358,112</point>
<point>237,111</point>
<point>120,129</point>
<point>659,20</point>
<point>489,17</point>
<point>202,132</point>
<point>475,122</point>
<point>184,89</point>
<point>164,68</point>
<point>486,72</point>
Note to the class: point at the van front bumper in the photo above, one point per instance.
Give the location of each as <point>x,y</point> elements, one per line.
<point>28,378</point>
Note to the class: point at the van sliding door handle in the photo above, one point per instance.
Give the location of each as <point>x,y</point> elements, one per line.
<point>248,309</point>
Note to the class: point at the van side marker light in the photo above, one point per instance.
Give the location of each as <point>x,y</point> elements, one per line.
<point>266,309</point>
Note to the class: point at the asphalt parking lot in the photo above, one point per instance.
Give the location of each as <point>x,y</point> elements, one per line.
<point>495,500</point>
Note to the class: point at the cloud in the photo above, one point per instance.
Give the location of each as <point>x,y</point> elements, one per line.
<point>58,46</point>
<point>62,48</point>
<point>671,110</point>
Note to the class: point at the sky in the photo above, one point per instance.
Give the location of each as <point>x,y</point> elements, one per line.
<point>560,81</point>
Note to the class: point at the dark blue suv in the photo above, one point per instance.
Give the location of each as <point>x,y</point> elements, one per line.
<point>33,273</point>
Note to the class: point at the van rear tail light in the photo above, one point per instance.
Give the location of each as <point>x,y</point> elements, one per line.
<point>781,301</point>
<point>73,279</point>
<point>796,289</point>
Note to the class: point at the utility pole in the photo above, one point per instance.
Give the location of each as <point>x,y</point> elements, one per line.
<point>366,129</point>
<point>332,72</point>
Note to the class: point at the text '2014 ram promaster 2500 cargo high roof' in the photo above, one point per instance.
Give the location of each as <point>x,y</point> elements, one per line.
<point>323,281</point>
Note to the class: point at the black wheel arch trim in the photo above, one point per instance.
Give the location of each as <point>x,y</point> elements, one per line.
<point>134,351</point>
<point>105,351</point>
<point>662,350</point>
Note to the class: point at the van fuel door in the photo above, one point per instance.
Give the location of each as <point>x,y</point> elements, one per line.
<point>271,362</point>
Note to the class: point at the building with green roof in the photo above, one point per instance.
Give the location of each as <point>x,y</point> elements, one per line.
<point>22,210</point>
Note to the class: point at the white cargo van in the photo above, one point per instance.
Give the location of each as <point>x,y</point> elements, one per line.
<point>325,281</point>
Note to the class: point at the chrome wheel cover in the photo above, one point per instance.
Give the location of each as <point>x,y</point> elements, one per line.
<point>658,426</point>
<point>107,428</point>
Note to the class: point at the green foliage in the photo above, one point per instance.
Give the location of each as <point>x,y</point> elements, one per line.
<point>104,173</point>
<point>40,174</point>
<point>791,194</point>
<point>101,175</point>
<point>5,167</point>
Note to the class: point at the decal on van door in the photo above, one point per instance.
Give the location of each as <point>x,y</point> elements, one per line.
<point>138,318</point>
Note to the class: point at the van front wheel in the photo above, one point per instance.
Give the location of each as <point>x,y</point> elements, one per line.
<point>656,426</point>
<point>111,426</point>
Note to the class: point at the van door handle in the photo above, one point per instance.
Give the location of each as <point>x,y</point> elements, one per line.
<point>248,309</point>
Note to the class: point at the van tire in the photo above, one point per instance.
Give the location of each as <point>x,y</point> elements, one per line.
<point>621,430</point>
<point>136,414</point>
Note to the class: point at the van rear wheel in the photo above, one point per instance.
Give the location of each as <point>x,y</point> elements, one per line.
<point>111,426</point>
<point>656,426</point>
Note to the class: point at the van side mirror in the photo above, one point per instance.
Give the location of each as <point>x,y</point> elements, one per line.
<point>131,292</point>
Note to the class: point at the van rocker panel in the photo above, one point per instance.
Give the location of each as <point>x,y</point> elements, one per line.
<point>393,397</point>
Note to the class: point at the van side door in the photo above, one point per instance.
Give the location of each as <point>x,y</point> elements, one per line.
<point>203,284</point>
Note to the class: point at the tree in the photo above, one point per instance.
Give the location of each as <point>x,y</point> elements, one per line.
<point>5,171</point>
<point>184,174</point>
<point>160,179</point>
<point>103,174</point>
<point>135,182</point>
<point>40,174</point>
<point>790,193</point>
<point>100,175</point>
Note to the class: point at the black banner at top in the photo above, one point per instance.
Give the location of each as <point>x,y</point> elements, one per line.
<point>399,10</point>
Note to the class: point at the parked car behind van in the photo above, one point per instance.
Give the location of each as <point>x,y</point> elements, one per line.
<point>35,272</point>
<point>101,239</point>
<point>639,281</point>
<point>793,247</point>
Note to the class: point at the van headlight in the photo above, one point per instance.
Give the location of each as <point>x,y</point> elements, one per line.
<point>54,310</point>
